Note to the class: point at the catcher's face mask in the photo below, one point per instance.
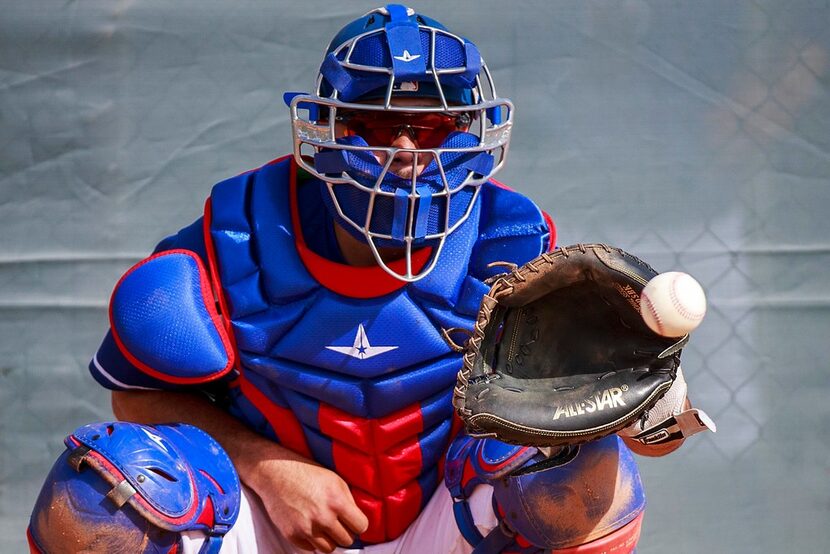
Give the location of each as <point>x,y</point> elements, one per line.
<point>401,175</point>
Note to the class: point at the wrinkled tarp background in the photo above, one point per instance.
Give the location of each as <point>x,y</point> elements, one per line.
<point>695,134</point>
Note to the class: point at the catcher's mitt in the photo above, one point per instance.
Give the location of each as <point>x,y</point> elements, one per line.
<point>560,354</point>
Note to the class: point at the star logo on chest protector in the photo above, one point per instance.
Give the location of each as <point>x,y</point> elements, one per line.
<point>361,349</point>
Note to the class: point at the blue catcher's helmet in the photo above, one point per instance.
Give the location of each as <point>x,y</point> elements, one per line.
<point>387,73</point>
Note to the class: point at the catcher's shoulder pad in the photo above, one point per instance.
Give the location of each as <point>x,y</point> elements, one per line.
<point>512,228</point>
<point>559,352</point>
<point>164,319</point>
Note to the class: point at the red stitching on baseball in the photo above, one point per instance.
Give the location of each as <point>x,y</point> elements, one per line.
<point>679,306</point>
<point>644,298</point>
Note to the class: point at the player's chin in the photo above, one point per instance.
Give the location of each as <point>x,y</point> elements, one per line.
<point>652,450</point>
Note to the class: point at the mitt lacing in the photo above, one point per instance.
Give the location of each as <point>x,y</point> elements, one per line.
<point>454,346</point>
<point>472,348</point>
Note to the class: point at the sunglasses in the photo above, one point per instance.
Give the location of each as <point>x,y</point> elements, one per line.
<point>381,128</point>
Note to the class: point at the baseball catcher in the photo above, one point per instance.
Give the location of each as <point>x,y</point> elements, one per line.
<point>279,366</point>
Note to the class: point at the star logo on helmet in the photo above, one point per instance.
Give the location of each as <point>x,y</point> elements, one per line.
<point>407,57</point>
<point>155,438</point>
<point>361,349</point>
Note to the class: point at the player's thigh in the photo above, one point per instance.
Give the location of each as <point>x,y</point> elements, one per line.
<point>252,533</point>
<point>435,529</point>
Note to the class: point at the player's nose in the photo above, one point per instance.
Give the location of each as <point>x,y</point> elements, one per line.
<point>404,140</point>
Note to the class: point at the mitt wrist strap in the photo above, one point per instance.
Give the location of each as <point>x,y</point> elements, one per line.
<point>465,523</point>
<point>684,424</point>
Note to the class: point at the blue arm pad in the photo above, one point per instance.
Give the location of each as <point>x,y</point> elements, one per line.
<point>164,320</point>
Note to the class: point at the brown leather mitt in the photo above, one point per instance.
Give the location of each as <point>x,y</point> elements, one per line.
<point>559,352</point>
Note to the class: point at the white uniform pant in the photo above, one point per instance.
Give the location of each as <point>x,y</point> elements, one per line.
<point>433,531</point>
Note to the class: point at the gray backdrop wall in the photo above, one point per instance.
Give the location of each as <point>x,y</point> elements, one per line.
<point>695,134</point>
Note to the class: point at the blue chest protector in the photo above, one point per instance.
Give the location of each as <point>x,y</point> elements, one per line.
<point>337,362</point>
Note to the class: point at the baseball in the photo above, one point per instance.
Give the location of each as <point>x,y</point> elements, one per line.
<point>673,304</point>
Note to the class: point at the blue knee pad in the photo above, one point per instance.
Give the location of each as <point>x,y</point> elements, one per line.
<point>544,501</point>
<point>126,487</point>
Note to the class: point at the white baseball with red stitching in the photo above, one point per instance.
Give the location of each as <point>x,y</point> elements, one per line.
<point>673,304</point>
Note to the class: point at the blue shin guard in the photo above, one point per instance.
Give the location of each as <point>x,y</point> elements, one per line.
<point>125,487</point>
